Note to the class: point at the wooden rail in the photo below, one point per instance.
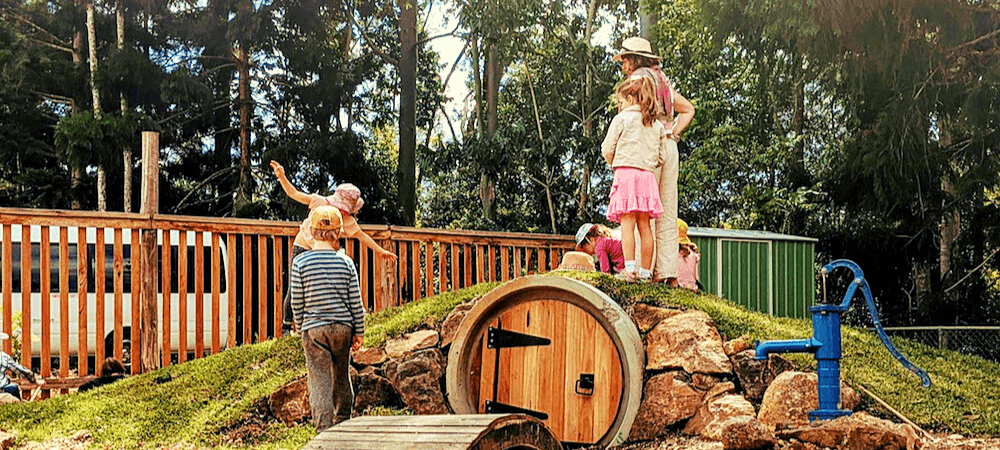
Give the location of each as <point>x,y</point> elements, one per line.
<point>228,280</point>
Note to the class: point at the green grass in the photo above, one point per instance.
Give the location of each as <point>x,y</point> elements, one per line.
<point>204,399</point>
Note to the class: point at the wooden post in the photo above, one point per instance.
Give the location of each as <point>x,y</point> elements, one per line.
<point>148,343</point>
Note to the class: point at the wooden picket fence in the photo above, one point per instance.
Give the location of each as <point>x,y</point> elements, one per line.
<point>228,280</point>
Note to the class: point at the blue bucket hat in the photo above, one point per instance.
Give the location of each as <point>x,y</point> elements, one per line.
<point>581,234</point>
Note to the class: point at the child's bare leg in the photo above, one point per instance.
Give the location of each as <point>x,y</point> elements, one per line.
<point>646,240</point>
<point>628,240</point>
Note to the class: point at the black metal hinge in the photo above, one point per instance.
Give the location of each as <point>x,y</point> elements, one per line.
<point>500,338</point>
<point>503,408</point>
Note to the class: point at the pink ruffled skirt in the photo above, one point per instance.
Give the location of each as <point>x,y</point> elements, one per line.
<point>634,191</point>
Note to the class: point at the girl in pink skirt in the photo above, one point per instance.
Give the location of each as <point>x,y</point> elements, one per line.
<point>634,147</point>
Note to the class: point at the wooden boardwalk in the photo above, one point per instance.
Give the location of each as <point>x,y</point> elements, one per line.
<point>441,432</point>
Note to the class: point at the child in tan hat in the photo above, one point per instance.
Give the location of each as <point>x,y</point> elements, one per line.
<point>346,198</point>
<point>327,308</point>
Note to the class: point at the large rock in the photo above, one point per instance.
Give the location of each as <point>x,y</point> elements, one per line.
<point>737,345</point>
<point>713,413</point>
<point>417,378</point>
<point>687,341</point>
<point>7,440</point>
<point>647,316</point>
<point>370,356</point>
<point>411,342</point>
<point>858,432</point>
<point>374,390</point>
<point>666,400</point>
<point>756,375</point>
<point>792,395</point>
<point>746,433</point>
<point>290,403</point>
<point>449,328</point>
<point>7,398</point>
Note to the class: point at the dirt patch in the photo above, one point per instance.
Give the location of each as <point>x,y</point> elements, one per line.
<point>251,427</point>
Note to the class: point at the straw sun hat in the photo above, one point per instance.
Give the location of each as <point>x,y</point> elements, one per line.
<point>577,261</point>
<point>636,46</point>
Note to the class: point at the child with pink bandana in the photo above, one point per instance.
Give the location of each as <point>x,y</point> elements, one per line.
<point>346,198</point>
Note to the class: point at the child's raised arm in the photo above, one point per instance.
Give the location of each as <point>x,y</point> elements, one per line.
<point>290,190</point>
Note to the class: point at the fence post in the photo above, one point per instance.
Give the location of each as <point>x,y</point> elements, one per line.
<point>149,352</point>
<point>942,339</point>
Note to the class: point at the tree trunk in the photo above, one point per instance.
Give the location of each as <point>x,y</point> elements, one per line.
<point>795,164</point>
<point>245,105</point>
<point>647,19</point>
<point>407,167</point>
<point>95,92</point>
<point>126,152</point>
<point>951,222</point>
<point>477,85</point>
<point>76,173</point>
<point>588,124</point>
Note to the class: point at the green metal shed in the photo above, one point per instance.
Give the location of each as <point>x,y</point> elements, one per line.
<point>767,272</point>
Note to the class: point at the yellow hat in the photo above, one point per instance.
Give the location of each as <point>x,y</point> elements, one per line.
<point>326,218</point>
<point>682,232</point>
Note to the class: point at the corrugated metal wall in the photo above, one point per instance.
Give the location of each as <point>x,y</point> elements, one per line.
<point>771,276</point>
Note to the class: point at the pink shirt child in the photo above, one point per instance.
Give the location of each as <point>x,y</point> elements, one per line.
<point>687,271</point>
<point>608,251</point>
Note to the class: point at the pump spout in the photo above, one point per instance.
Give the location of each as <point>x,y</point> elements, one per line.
<point>789,346</point>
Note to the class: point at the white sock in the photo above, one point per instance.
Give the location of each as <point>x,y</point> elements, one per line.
<point>629,266</point>
<point>645,273</point>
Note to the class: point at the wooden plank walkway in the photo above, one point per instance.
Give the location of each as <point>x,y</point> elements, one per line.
<point>440,432</point>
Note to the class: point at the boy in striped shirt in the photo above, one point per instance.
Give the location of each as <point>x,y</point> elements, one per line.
<point>327,308</point>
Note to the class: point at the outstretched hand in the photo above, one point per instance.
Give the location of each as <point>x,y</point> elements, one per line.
<point>278,170</point>
<point>358,340</point>
<point>389,255</point>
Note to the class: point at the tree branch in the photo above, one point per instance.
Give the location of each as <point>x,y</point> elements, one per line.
<point>211,177</point>
<point>980,266</point>
<point>451,33</point>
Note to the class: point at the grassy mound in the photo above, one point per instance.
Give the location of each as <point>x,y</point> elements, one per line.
<point>205,402</point>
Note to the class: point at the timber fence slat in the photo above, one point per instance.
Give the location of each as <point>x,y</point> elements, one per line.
<point>119,275</point>
<point>165,296</point>
<point>247,288</point>
<point>46,274</point>
<point>182,297</point>
<point>216,276</point>
<point>64,288</point>
<point>137,262</point>
<point>278,284</point>
<point>100,272</point>
<point>199,294</point>
<point>261,288</point>
<point>8,296</point>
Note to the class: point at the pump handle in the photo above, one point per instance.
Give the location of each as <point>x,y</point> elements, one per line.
<point>859,282</point>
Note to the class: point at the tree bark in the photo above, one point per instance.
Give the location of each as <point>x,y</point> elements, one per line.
<point>126,152</point>
<point>795,163</point>
<point>95,92</point>
<point>245,106</point>
<point>588,124</point>
<point>76,173</point>
<point>407,167</point>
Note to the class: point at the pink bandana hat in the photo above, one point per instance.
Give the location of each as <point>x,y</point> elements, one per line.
<point>348,198</point>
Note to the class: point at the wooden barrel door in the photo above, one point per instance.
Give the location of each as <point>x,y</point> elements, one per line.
<point>552,348</point>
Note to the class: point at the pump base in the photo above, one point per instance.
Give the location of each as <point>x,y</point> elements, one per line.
<point>827,414</point>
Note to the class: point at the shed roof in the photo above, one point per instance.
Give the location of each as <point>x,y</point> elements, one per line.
<point>720,233</point>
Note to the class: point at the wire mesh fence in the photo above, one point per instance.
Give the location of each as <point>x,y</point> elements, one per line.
<point>980,341</point>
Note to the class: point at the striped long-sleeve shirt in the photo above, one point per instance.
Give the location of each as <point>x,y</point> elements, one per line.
<point>7,364</point>
<point>325,291</point>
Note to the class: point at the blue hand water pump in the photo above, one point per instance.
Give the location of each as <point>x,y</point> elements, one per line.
<point>826,344</point>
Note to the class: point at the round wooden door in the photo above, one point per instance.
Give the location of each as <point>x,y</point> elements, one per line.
<point>552,348</point>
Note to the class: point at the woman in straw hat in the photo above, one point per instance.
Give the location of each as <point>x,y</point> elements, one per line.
<point>675,113</point>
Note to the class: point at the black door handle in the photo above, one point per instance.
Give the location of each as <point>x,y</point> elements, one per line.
<point>585,385</point>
